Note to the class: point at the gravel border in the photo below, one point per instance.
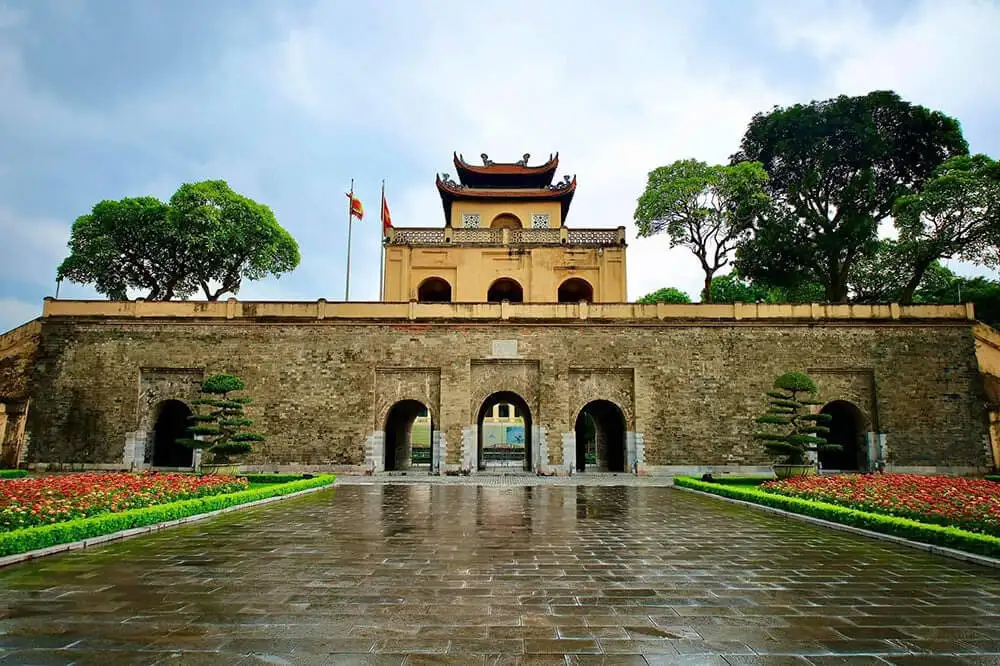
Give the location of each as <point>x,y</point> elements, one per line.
<point>138,531</point>
<point>953,553</point>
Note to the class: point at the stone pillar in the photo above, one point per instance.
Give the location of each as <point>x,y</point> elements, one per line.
<point>540,445</point>
<point>439,448</point>
<point>134,452</point>
<point>470,437</point>
<point>569,452</point>
<point>375,452</point>
<point>635,452</point>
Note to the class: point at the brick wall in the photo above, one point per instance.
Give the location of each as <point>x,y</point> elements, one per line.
<point>692,389</point>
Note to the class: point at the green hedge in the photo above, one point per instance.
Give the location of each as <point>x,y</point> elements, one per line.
<point>993,477</point>
<point>740,480</point>
<point>13,473</point>
<point>939,535</point>
<point>270,478</point>
<point>33,538</point>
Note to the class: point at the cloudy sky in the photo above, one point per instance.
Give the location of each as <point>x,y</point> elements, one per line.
<point>288,101</point>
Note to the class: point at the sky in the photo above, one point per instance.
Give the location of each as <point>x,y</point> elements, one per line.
<point>290,101</point>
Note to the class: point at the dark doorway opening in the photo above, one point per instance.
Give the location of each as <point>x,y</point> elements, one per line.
<point>171,425</point>
<point>575,290</point>
<point>600,438</point>
<point>504,432</point>
<point>846,429</point>
<point>506,221</point>
<point>409,437</point>
<point>505,289</point>
<point>434,290</point>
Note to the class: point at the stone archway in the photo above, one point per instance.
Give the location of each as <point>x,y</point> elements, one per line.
<point>409,437</point>
<point>171,424</point>
<point>846,429</point>
<point>434,290</point>
<point>505,289</point>
<point>504,440</point>
<point>600,438</point>
<point>506,221</point>
<point>575,290</point>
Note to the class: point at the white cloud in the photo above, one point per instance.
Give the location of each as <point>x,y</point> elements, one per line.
<point>32,248</point>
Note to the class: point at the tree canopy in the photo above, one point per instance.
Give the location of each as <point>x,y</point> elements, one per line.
<point>666,295</point>
<point>208,237</point>
<point>703,208</point>
<point>836,168</point>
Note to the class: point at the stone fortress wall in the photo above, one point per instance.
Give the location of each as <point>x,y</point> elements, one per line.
<point>687,379</point>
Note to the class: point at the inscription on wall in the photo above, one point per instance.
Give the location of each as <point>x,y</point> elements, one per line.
<point>504,349</point>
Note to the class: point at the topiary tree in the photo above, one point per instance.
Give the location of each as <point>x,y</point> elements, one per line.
<point>801,431</point>
<point>221,421</point>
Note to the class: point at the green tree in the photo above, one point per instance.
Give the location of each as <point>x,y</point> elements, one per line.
<point>130,244</point>
<point>703,208</point>
<point>207,235</point>
<point>955,214</point>
<point>836,168</point>
<point>666,295</point>
<point>880,276</point>
<point>219,426</point>
<point>798,431</point>
<point>731,288</point>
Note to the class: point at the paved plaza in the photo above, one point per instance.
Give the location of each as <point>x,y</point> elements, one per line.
<point>387,573</point>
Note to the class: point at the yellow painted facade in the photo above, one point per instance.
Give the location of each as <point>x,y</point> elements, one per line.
<point>511,229</point>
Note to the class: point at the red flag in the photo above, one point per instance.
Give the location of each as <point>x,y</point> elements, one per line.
<point>386,219</point>
<point>357,210</point>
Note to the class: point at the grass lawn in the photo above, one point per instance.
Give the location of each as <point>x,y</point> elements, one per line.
<point>947,511</point>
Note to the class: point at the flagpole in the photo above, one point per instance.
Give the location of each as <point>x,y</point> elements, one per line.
<point>350,214</point>
<point>381,245</point>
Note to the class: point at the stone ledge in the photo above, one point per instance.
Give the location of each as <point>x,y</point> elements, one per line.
<point>953,553</point>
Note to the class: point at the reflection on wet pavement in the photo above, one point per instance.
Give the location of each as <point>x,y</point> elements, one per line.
<point>387,573</point>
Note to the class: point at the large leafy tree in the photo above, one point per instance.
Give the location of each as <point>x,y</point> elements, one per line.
<point>666,295</point>
<point>836,168</point>
<point>702,207</point>
<point>955,214</point>
<point>208,237</point>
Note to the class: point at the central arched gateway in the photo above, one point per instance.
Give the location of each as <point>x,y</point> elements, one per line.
<point>847,430</point>
<point>171,424</point>
<point>505,289</point>
<point>600,438</point>
<point>409,437</point>
<point>504,425</point>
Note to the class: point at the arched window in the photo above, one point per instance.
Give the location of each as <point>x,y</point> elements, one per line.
<point>434,290</point>
<point>505,289</point>
<point>506,221</point>
<point>575,290</point>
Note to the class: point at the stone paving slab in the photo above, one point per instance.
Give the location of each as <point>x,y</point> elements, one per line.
<point>424,573</point>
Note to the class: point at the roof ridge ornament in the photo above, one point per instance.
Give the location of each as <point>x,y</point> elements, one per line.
<point>448,182</point>
<point>524,160</point>
<point>486,159</point>
<point>562,185</point>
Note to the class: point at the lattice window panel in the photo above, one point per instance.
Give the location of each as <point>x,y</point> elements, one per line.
<point>471,220</point>
<point>540,220</point>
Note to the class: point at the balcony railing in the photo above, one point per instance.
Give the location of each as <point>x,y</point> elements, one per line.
<point>463,236</point>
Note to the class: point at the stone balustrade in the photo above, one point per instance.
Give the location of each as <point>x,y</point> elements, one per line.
<point>487,236</point>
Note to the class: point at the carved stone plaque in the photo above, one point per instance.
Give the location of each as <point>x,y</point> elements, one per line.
<point>504,349</point>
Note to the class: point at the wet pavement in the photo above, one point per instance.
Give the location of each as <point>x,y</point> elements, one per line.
<point>550,574</point>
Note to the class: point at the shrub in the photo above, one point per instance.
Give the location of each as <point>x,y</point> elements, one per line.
<point>798,431</point>
<point>13,473</point>
<point>220,430</point>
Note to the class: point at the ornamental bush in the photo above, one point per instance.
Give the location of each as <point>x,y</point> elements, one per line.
<point>219,425</point>
<point>794,431</point>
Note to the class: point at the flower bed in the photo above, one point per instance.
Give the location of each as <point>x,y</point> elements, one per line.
<point>970,504</point>
<point>52,499</point>
<point>947,536</point>
<point>32,539</point>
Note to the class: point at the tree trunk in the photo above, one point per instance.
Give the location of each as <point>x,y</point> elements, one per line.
<point>906,296</point>
<point>706,294</point>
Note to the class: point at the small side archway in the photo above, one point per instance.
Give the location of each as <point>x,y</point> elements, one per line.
<point>504,425</point>
<point>409,437</point>
<point>575,290</point>
<point>505,289</point>
<point>434,290</point>
<point>600,437</point>
<point>170,425</point>
<point>506,221</point>
<point>847,428</point>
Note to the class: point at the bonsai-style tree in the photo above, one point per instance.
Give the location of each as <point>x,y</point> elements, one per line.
<point>220,422</point>
<point>801,431</point>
